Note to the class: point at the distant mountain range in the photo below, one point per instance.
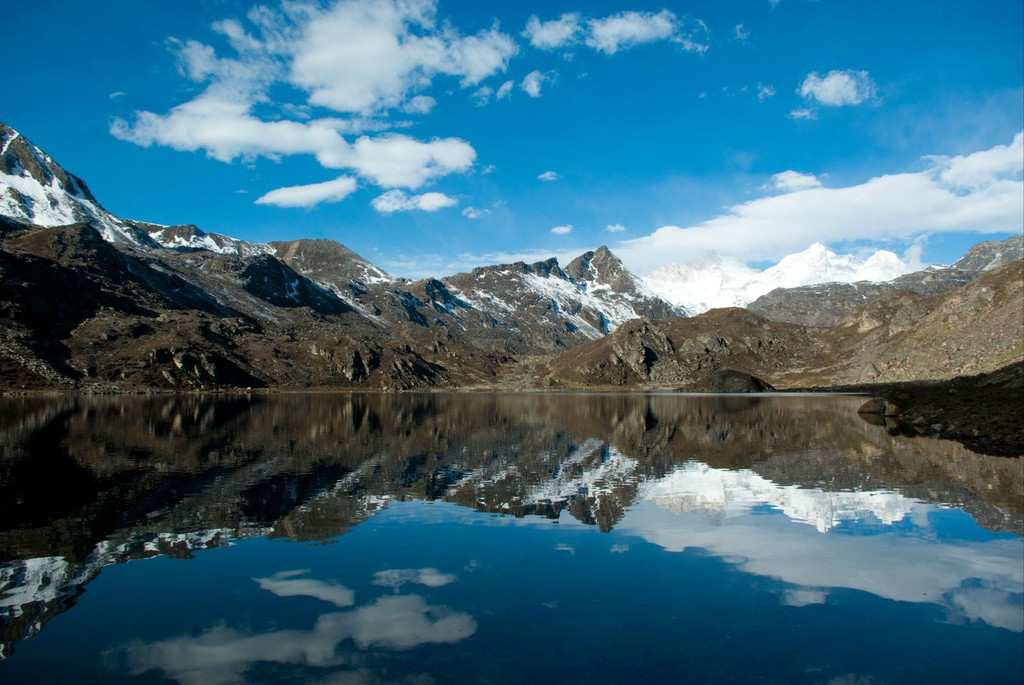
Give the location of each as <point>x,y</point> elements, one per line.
<point>89,300</point>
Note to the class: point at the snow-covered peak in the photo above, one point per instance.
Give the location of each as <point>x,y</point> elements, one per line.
<point>34,188</point>
<point>714,281</point>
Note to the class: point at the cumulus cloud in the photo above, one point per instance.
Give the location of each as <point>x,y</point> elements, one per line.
<point>628,29</point>
<point>420,104</point>
<point>981,192</point>
<point>310,195</point>
<point>615,228</point>
<point>397,201</point>
<point>838,88</point>
<point>740,33</point>
<point>765,91</point>
<point>549,176</point>
<point>359,58</point>
<point>532,83</point>
<point>557,33</point>
<point>395,160</point>
<point>363,55</point>
<point>562,230</point>
<point>802,113</point>
<point>789,181</point>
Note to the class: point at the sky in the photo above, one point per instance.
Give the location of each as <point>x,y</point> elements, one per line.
<point>432,136</point>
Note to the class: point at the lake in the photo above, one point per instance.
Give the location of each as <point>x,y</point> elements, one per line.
<point>479,538</point>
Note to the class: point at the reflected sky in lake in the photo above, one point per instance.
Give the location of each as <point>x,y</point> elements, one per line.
<point>500,538</point>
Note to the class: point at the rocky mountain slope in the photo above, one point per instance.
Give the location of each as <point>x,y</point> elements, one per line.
<point>106,304</point>
<point>901,336</point>
<point>828,303</point>
<point>90,300</point>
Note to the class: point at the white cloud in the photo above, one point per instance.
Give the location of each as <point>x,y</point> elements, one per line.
<point>474,213</point>
<point>395,160</point>
<point>420,104</point>
<point>309,195</point>
<point>740,33</point>
<point>360,58</point>
<point>789,181</point>
<point>765,91</point>
<point>628,29</point>
<point>532,83</point>
<point>549,176</point>
<point>838,88</point>
<point>981,168</point>
<point>615,228</point>
<point>363,55</point>
<point>482,95</point>
<point>397,201</point>
<point>557,33</point>
<point>562,230</point>
<point>504,90</point>
<point>981,193</point>
<point>803,114</point>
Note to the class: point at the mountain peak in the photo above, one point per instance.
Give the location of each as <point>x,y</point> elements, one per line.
<point>600,265</point>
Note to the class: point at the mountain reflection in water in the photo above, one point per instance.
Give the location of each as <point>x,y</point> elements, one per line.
<point>795,489</point>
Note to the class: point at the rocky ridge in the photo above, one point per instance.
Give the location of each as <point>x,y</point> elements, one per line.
<point>92,301</point>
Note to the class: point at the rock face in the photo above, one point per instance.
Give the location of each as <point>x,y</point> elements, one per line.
<point>729,381</point>
<point>992,254</point>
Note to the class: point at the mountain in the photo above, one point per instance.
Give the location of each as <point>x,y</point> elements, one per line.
<point>900,336</point>
<point>714,282</point>
<point>827,304</point>
<point>89,299</point>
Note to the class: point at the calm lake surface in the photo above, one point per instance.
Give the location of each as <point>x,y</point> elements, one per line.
<point>351,539</point>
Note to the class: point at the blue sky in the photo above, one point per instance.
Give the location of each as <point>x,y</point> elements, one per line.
<point>431,137</point>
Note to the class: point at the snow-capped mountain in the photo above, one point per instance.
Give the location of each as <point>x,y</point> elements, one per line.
<point>313,297</point>
<point>37,190</point>
<point>715,281</point>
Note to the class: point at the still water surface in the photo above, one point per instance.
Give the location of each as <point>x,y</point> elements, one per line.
<point>500,539</point>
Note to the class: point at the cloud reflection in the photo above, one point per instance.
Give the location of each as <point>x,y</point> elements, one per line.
<point>397,577</point>
<point>285,584</point>
<point>223,654</point>
<point>973,580</point>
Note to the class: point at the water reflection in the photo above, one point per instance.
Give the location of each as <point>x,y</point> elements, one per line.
<point>223,654</point>
<point>795,489</point>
